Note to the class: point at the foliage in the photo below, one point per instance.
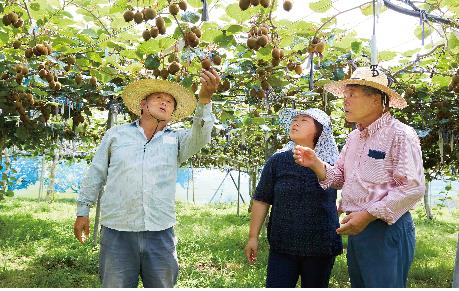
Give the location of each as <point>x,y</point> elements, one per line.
<point>37,249</point>
<point>69,61</point>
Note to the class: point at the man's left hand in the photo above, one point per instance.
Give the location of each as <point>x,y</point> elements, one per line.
<point>355,222</point>
<point>209,85</point>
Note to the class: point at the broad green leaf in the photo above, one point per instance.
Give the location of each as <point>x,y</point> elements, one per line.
<point>234,28</point>
<point>191,17</point>
<point>442,81</point>
<point>152,62</point>
<point>34,6</point>
<point>356,46</point>
<point>3,37</point>
<point>386,55</point>
<point>130,54</point>
<point>235,12</point>
<point>320,6</point>
<point>418,31</point>
<point>85,38</point>
<point>410,53</point>
<point>367,9</point>
<point>95,57</point>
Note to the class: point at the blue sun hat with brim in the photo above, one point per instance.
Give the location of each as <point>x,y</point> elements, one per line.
<point>326,148</point>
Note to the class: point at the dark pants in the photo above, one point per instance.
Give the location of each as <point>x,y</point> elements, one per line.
<point>381,255</point>
<point>125,255</point>
<point>284,270</point>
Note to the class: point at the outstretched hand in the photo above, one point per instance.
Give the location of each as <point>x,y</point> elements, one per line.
<point>210,80</point>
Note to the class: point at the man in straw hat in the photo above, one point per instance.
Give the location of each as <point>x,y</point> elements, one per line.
<point>137,164</point>
<point>381,175</point>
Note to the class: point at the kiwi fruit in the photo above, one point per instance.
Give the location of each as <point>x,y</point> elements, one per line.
<point>160,22</point>
<point>244,4</point>
<point>16,44</point>
<point>183,5</point>
<point>43,73</point>
<point>275,53</point>
<point>298,69</point>
<point>19,78</point>
<point>252,42</point>
<point>128,15</point>
<point>205,64</point>
<point>265,85</point>
<point>49,48</point>
<point>291,66</point>
<point>28,53</point>
<point>196,31</point>
<point>71,60</point>
<point>41,49</point>
<point>262,40</point>
<point>6,20</point>
<point>217,60</point>
<point>164,73</point>
<point>138,17</point>
<point>78,79</point>
<point>162,30</point>
<point>174,9</point>
<point>13,17</point>
<point>156,72</point>
<point>149,13</point>
<point>287,5</point>
<point>173,68</point>
<point>146,35</point>
<point>275,62</point>
<point>265,3</point>
<point>93,81</point>
<point>57,86</point>
<point>263,30</point>
<point>18,23</point>
<point>24,70</point>
<point>320,47</point>
<point>154,32</point>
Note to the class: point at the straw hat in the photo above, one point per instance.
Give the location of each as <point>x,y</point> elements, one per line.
<point>138,90</point>
<point>364,76</point>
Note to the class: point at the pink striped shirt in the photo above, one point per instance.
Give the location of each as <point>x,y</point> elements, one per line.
<point>379,170</point>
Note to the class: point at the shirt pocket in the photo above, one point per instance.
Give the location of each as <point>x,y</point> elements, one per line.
<point>373,170</point>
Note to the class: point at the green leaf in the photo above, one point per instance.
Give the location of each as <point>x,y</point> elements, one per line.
<point>3,37</point>
<point>130,54</point>
<point>320,6</point>
<point>191,17</point>
<point>235,12</point>
<point>119,6</point>
<point>152,62</point>
<point>234,28</point>
<point>35,6</point>
<point>84,38</point>
<point>442,81</point>
<point>356,46</point>
<point>95,57</point>
<point>386,55</point>
<point>418,31</point>
<point>367,10</point>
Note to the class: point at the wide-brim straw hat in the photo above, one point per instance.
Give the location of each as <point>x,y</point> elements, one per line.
<point>364,76</point>
<point>138,90</point>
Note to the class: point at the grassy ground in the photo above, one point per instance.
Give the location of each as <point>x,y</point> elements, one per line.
<point>37,248</point>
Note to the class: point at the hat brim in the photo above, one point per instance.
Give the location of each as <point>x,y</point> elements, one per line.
<point>337,88</point>
<point>138,90</point>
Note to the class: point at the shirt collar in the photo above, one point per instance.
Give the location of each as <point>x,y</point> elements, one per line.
<point>136,123</point>
<point>382,121</point>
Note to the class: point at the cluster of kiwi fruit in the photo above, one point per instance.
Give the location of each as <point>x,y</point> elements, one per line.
<point>296,67</point>
<point>154,31</point>
<point>454,85</point>
<point>258,37</point>
<point>146,14</point>
<point>192,36</point>
<point>77,118</point>
<point>317,45</point>
<point>172,69</point>
<point>21,71</point>
<point>50,77</point>
<point>41,49</point>
<point>12,18</point>
<point>278,55</point>
<point>174,8</point>
<point>245,4</point>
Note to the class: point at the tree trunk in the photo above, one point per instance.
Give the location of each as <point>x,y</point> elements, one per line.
<point>456,266</point>
<point>252,186</point>
<point>4,178</point>
<point>427,201</point>
<point>110,123</point>
<point>52,175</point>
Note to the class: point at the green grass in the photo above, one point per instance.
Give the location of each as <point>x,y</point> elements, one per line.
<point>37,248</point>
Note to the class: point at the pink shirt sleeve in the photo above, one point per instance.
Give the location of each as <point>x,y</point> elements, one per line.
<point>408,174</point>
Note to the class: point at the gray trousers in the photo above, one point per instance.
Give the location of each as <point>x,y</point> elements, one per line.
<point>125,255</point>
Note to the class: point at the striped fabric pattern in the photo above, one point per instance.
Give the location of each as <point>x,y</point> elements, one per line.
<point>379,170</point>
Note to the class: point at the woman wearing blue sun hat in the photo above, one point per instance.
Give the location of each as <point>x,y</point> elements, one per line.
<point>303,217</point>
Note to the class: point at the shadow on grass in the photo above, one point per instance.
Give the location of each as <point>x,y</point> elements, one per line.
<point>42,253</point>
